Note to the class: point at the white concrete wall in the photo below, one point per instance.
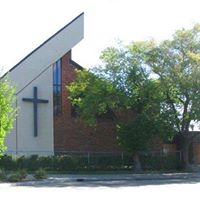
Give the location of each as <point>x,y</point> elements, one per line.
<point>21,140</point>
<point>48,53</point>
<point>34,71</point>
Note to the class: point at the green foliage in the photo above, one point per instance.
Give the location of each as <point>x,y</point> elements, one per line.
<point>14,177</point>
<point>176,62</point>
<point>106,161</point>
<point>136,135</point>
<point>2,175</point>
<point>22,173</point>
<point>122,84</point>
<point>8,163</point>
<point>160,83</point>
<point>17,176</point>
<point>32,162</point>
<point>63,163</point>
<point>40,174</point>
<point>7,111</point>
<point>159,162</point>
<point>89,91</point>
<point>74,163</point>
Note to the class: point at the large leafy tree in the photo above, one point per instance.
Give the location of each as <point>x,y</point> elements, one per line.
<point>160,83</point>
<point>122,84</point>
<point>7,110</point>
<point>176,62</point>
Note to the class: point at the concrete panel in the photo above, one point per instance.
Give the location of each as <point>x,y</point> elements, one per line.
<point>47,53</point>
<point>21,141</point>
<point>33,71</point>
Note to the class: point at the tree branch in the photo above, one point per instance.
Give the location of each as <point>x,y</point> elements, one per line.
<point>175,112</point>
<point>185,120</point>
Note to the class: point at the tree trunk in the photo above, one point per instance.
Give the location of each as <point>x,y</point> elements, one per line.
<point>185,155</point>
<point>183,144</point>
<point>137,164</point>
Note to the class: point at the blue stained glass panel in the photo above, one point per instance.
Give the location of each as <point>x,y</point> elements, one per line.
<point>57,85</point>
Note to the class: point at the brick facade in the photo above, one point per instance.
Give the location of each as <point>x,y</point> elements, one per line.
<point>70,134</point>
<point>196,153</point>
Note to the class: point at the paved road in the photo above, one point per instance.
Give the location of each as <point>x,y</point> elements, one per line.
<point>180,186</point>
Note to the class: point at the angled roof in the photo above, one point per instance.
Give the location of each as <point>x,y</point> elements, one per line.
<point>75,64</point>
<point>48,52</point>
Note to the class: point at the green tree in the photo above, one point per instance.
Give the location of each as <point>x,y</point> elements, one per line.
<point>7,111</point>
<point>146,77</point>
<point>176,63</point>
<point>122,84</point>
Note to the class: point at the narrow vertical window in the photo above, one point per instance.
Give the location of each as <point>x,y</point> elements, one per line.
<point>57,100</point>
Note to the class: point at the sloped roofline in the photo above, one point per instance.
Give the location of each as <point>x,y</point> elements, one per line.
<point>75,64</point>
<point>46,41</point>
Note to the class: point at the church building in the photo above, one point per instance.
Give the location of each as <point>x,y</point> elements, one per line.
<point>46,123</point>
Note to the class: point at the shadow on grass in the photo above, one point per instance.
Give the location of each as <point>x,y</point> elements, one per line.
<point>118,181</point>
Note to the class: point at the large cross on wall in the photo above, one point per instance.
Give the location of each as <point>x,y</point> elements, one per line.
<point>35,100</point>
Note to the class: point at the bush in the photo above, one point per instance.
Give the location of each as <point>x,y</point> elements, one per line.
<point>76,162</point>
<point>159,162</point>
<point>14,177</point>
<point>22,173</point>
<point>22,163</point>
<point>8,163</point>
<point>32,162</point>
<point>18,176</point>
<point>105,161</point>
<point>45,162</point>
<point>40,174</point>
<point>35,162</point>
<point>64,163</point>
<point>2,175</point>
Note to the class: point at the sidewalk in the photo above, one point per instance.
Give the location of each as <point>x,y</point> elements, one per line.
<point>94,187</point>
<point>108,180</point>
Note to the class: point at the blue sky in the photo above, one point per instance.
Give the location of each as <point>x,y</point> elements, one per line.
<point>25,24</point>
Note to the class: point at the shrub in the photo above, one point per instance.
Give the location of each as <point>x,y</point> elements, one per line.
<point>7,162</point>
<point>159,162</point>
<point>2,175</point>
<point>105,161</point>
<point>16,177</point>
<point>149,161</point>
<point>22,173</point>
<point>45,162</point>
<point>32,162</point>
<point>40,174</point>
<point>63,163</point>
<point>22,163</point>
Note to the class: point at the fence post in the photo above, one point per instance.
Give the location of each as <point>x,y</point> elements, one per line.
<point>180,156</point>
<point>88,158</point>
<point>122,157</point>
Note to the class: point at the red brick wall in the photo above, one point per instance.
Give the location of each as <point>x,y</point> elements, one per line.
<point>196,153</point>
<point>169,148</point>
<point>70,134</point>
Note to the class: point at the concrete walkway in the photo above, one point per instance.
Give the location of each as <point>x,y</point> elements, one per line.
<point>182,186</point>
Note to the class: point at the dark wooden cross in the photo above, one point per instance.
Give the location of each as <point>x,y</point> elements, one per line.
<point>35,102</point>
